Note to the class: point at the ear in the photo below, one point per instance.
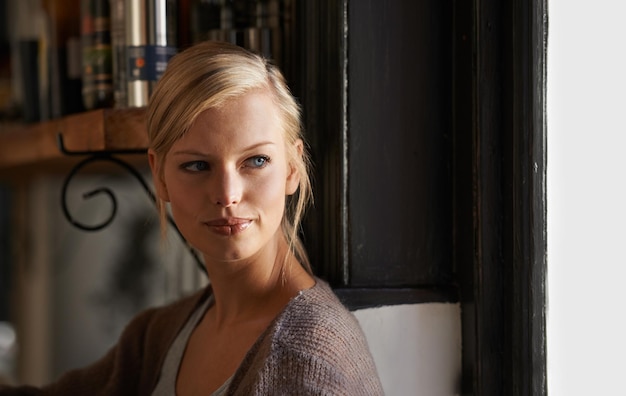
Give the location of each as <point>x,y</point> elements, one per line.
<point>159,183</point>
<point>293,177</point>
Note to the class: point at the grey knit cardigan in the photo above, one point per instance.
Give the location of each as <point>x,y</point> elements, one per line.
<point>314,347</point>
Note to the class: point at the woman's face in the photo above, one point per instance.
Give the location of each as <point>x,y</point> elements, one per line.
<point>228,177</point>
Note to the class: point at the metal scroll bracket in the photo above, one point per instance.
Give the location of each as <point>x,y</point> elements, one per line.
<point>110,156</point>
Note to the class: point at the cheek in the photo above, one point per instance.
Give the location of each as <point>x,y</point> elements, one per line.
<point>183,197</point>
<point>269,193</point>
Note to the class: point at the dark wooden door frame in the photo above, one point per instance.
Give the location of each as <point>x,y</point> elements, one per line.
<point>500,192</point>
<point>498,55</point>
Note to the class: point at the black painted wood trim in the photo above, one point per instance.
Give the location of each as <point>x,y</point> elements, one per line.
<point>360,298</point>
<point>528,196</point>
<point>399,143</point>
<point>322,90</point>
<point>500,216</point>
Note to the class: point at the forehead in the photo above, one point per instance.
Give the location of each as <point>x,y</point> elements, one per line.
<point>247,118</point>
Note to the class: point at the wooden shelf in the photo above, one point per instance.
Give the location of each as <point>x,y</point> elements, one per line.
<point>28,147</point>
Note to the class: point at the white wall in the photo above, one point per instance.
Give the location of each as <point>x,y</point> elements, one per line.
<point>416,347</point>
<point>586,197</point>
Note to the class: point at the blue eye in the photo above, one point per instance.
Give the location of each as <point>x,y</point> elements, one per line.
<point>195,166</point>
<point>258,161</point>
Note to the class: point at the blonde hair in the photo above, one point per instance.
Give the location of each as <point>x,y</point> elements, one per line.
<point>207,75</point>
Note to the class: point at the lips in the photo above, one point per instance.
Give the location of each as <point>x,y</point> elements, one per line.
<point>228,226</point>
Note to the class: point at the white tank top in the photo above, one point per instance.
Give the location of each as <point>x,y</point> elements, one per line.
<point>166,386</point>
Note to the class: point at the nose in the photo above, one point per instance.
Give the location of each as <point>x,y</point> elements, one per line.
<point>227,188</point>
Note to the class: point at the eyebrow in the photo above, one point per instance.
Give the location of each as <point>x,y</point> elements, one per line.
<point>203,154</point>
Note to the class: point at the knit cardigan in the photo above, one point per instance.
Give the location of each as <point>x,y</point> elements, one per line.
<point>313,347</point>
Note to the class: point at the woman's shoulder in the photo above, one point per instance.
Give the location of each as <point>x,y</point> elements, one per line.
<point>318,337</point>
<point>322,302</point>
<point>318,316</point>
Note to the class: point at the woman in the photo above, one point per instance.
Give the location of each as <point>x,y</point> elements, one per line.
<point>227,155</point>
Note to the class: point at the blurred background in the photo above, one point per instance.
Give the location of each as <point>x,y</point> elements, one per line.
<point>66,294</point>
<point>374,81</point>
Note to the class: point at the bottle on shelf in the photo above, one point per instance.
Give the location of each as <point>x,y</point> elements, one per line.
<point>252,24</point>
<point>206,20</point>
<point>162,27</point>
<point>28,36</point>
<point>63,57</point>
<point>264,34</point>
<point>118,49</point>
<point>97,62</point>
<point>150,42</point>
<point>5,64</point>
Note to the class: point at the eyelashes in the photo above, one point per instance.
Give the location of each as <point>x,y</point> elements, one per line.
<point>257,162</point>
<point>254,162</point>
<point>195,166</point>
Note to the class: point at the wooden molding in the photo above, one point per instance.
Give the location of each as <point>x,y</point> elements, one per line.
<point>28,146</point>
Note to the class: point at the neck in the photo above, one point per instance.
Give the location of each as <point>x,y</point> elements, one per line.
<point>256,289</point>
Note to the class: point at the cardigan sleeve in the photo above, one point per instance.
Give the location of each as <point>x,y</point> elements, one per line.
<point>132,366</point>
<point>113,374</point>
<point>117,373</point>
